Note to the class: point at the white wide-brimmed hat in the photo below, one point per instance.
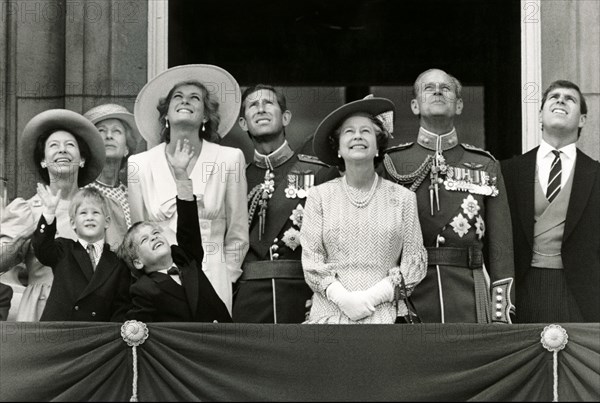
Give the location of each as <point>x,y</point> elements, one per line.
<point>62,119</point>
<point>217,81</point>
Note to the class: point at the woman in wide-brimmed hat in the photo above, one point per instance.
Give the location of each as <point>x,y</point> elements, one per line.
<point>64,150</point>
<point>199,103</point>
<point>121,137</point>
<point>360,232</point>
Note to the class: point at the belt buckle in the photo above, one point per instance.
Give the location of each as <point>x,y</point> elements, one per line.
<point>475,258</point>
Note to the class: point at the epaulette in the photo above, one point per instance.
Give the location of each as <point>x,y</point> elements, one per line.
<point>469,147</point>
<point>311,159</point>
<point>399,147</point>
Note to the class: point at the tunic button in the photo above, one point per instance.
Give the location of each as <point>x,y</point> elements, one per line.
<point>498,306</point>
<point>93,313</point>
<point>441,240</point>
<point>76,308</point>
<point>498,314</point>
<point>499,298</point>
<point>499,290</point>
<point>426,141</point>
<point>275,256</point>
<point>215,321</point>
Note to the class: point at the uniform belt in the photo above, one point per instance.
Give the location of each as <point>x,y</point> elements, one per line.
<point>470,257</point>
<point>268,269</point>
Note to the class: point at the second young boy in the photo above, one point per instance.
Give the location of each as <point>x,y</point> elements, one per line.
<point>171,286</point>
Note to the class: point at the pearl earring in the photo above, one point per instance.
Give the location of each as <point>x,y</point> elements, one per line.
<point>44,164</point>
<point>203,128</point>
<point>81,164</point>
<point>339,156</point>
<point>166,123</point>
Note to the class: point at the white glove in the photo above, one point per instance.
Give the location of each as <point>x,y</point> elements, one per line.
<point>380,292</point>
<point>355,305</point>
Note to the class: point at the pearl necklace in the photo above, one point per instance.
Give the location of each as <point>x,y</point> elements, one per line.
<point>360,203</point>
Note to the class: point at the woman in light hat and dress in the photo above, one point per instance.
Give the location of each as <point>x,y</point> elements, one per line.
<point>199,103</point>
<point>66,152</point>
<point>121,137</point>
<point>360,232</point>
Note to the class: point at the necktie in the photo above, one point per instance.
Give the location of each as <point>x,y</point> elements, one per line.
<point>173,271</point>
<point>92,252</point>
<point>554,179</point>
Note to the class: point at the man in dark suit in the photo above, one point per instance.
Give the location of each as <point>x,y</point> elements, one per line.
<point>554,196</point>
<point>90,282</point>
<point>272,288</point>
<point>6,293</point>
<point>171,286</point>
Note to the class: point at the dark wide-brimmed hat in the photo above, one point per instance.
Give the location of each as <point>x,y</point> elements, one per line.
<point>62,119</point>
<point>382,108</point>
<point>217,81</point>
<point>114,111</point>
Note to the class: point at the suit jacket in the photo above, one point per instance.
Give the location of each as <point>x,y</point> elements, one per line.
<point>6,293</point>
<point>221,191</point>
<point>157,297</point>
<point>80,293</point>
<point>580,249</point>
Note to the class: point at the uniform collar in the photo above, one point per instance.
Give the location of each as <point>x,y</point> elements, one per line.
<point>275,159</point>
<point>435,142</point>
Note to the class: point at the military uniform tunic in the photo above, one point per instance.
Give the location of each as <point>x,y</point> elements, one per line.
<point>468,237</point>
<point>272,287</point>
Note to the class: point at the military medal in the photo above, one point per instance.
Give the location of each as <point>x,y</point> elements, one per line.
<point>291,190</point>
<point>301,193</point>
<point>470,180</point>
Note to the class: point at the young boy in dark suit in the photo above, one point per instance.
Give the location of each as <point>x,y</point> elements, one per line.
<point>171,286</point>
<point>90,282</point>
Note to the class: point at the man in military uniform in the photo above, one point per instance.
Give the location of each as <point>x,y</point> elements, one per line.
<point>272,288</point>
<point>463,212</point>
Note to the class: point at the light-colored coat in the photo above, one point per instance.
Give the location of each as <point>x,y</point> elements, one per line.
<point>221,190</point>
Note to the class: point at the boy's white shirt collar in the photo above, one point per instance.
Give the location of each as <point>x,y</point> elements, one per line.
<point>98,246</point>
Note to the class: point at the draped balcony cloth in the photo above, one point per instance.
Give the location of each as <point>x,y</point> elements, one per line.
<point>90,362</point>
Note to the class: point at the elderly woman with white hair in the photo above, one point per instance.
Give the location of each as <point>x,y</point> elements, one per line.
<point>361,236</point>
<point>121,137</point>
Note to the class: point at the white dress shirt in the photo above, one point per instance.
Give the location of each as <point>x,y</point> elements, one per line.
<point>545,157</point>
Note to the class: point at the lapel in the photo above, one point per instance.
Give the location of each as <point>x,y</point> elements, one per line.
<point>206,167</point>
<point>107,264</point>
<point>83,261</point>
<point>583,181</point>
<point>278,211</point>
<point>189,276</point>
<point>526,201</point>
<point>166,283</point>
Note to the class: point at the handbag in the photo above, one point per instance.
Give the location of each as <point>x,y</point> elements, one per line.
<point>411,317</point>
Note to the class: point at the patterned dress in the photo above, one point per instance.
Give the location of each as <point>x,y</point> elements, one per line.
<point>359,246</point>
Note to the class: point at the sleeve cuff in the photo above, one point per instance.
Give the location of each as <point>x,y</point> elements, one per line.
<point>185,189</point>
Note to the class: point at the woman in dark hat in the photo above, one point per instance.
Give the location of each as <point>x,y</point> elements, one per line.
<point>66,152</point>
<point>198,103</point>
<point>121,138</point>
<point>360,232</point>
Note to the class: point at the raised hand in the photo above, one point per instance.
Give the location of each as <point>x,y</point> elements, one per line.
<point>49,199</point>
<point>181,158</point>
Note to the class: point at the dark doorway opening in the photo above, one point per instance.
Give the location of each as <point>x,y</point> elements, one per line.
<point>361,44</point>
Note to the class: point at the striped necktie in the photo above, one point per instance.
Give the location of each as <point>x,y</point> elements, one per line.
<point>554,180</point>
<point>92,252</point>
